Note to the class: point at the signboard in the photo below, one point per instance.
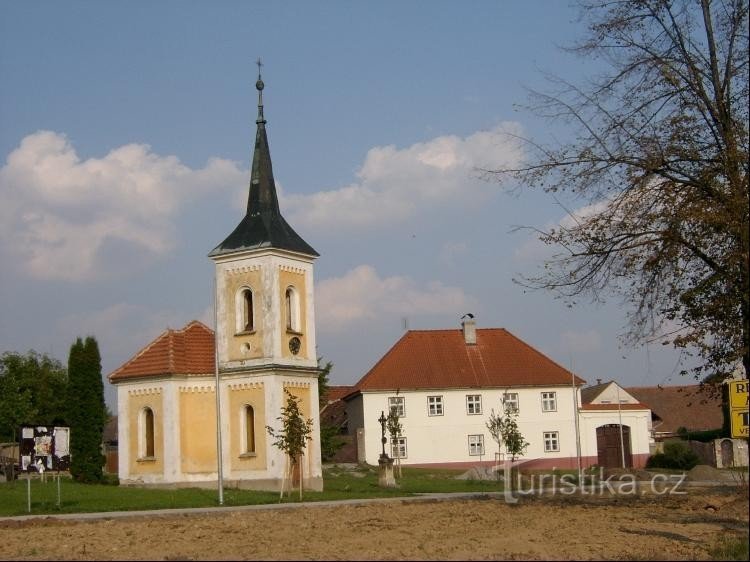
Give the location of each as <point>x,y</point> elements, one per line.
<point>738,408</point>
<point>44,447</point>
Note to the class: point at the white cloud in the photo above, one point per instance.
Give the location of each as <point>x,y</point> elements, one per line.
<point>362,295</point>
<point>580,342</point>
<point>67,218</point>
<point>394,184</point>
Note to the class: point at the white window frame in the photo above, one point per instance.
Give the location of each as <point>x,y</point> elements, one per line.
<point>398,402</point>
<point>549,401</point>
<point>510,400</point>
<point>551,441</point>
<point>398,448</point>
<point>245,450</point>
<point>143,433</point>
<point>291,304</point>
<point>473,404</point>
<point>242,314</point>
<point>435,405</point>
<point>476,445</point>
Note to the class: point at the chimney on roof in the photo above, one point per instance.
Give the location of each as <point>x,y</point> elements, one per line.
<point>469,328</point>
<point>598,381</point>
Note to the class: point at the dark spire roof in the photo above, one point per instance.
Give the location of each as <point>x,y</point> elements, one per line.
<point>263,225</point>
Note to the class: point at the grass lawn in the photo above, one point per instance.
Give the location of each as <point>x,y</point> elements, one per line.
<point>338,484</point>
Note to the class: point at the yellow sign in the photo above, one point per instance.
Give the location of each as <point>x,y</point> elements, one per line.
<point>739,423</point>
<point>738,408</point>
<point>738,395</point>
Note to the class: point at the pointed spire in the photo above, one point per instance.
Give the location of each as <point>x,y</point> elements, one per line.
<point>262,198</point>
<point>263,225</point>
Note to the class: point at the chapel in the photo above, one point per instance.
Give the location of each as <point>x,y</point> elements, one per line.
<point>262,350</point>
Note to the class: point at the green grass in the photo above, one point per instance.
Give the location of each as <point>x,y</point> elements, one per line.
<point>730,548</point>
<point>338,484</point>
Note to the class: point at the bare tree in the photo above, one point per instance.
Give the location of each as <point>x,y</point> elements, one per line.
<point>659,163</point>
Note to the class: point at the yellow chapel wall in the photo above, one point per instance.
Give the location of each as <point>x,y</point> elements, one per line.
<point>249,276</point>
<point>294,277</point>
<point>197,429</point>
<point>137,401</point>
<point>240,395</point>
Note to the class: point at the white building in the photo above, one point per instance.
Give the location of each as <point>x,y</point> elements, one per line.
<point>446,383</point>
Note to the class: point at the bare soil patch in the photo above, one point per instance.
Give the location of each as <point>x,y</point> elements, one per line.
<point>559,528</point>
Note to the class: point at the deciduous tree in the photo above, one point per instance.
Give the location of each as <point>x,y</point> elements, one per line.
<point>32,391</point>
<point>394,427</point>
<point>294,434</point>
<point>657,162</point>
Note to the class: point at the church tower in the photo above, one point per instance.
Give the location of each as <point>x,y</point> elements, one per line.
<point>265,324</point>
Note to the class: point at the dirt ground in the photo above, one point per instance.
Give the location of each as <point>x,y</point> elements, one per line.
<point>559,528</point>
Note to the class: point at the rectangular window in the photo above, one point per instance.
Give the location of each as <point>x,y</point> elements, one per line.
<point>473,404</point>
<point>398,448</point>
<point>551,441</point>
<point>549,401</point>
<point>476,445</point>
<point>510,402</point>
<point>398,402</point>
<point>435,405</point>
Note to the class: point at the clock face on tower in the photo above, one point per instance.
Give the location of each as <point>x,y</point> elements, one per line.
<point>294,345</point>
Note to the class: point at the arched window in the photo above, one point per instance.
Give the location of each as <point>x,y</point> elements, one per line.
<point>292,310</point>
<point>245,311</point>
<point>147,433</point>
<point>248,417</point>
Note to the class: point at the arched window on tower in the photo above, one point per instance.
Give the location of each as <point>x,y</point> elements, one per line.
<point>245,311</point>
<point>146,433</point>
<point>292,310</point>
<point>248,425</point>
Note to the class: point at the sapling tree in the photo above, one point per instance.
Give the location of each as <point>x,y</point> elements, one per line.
<point>504,430</point>
<point>394,428</point>
<point>294,434</point>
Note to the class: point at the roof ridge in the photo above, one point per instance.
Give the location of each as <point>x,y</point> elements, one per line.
<point>196,324</point>
<point>147,348</point>
<point>170,351</point>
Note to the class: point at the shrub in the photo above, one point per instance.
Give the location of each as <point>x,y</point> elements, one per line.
<point>677,454</point>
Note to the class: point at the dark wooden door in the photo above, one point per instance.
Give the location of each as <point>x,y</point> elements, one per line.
<point>608,446</point>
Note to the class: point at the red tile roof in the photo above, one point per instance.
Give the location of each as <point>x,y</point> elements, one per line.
<point>337,392</point>
<point>189,351</point>
<point>597,407</point>
<point>426,359</point>
<point>693,407</point>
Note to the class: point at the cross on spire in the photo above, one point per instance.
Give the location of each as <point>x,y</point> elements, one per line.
<point>259,86</point>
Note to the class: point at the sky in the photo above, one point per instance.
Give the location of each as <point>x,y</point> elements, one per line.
<point>126,131</point>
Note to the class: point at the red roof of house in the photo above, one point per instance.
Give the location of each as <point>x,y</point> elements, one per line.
<point>613,407</point>
<point>189,351</point>
<point>425,359</point>
<point>693,407</point>
<point>337,392</point>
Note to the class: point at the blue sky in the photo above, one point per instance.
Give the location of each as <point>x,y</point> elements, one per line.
<point>125,138</point>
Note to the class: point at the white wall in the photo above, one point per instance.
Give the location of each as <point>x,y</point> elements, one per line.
<point>442,439</point>
<point>637,420</point>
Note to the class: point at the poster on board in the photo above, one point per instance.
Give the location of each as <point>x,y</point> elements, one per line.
<point>46,446</point>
